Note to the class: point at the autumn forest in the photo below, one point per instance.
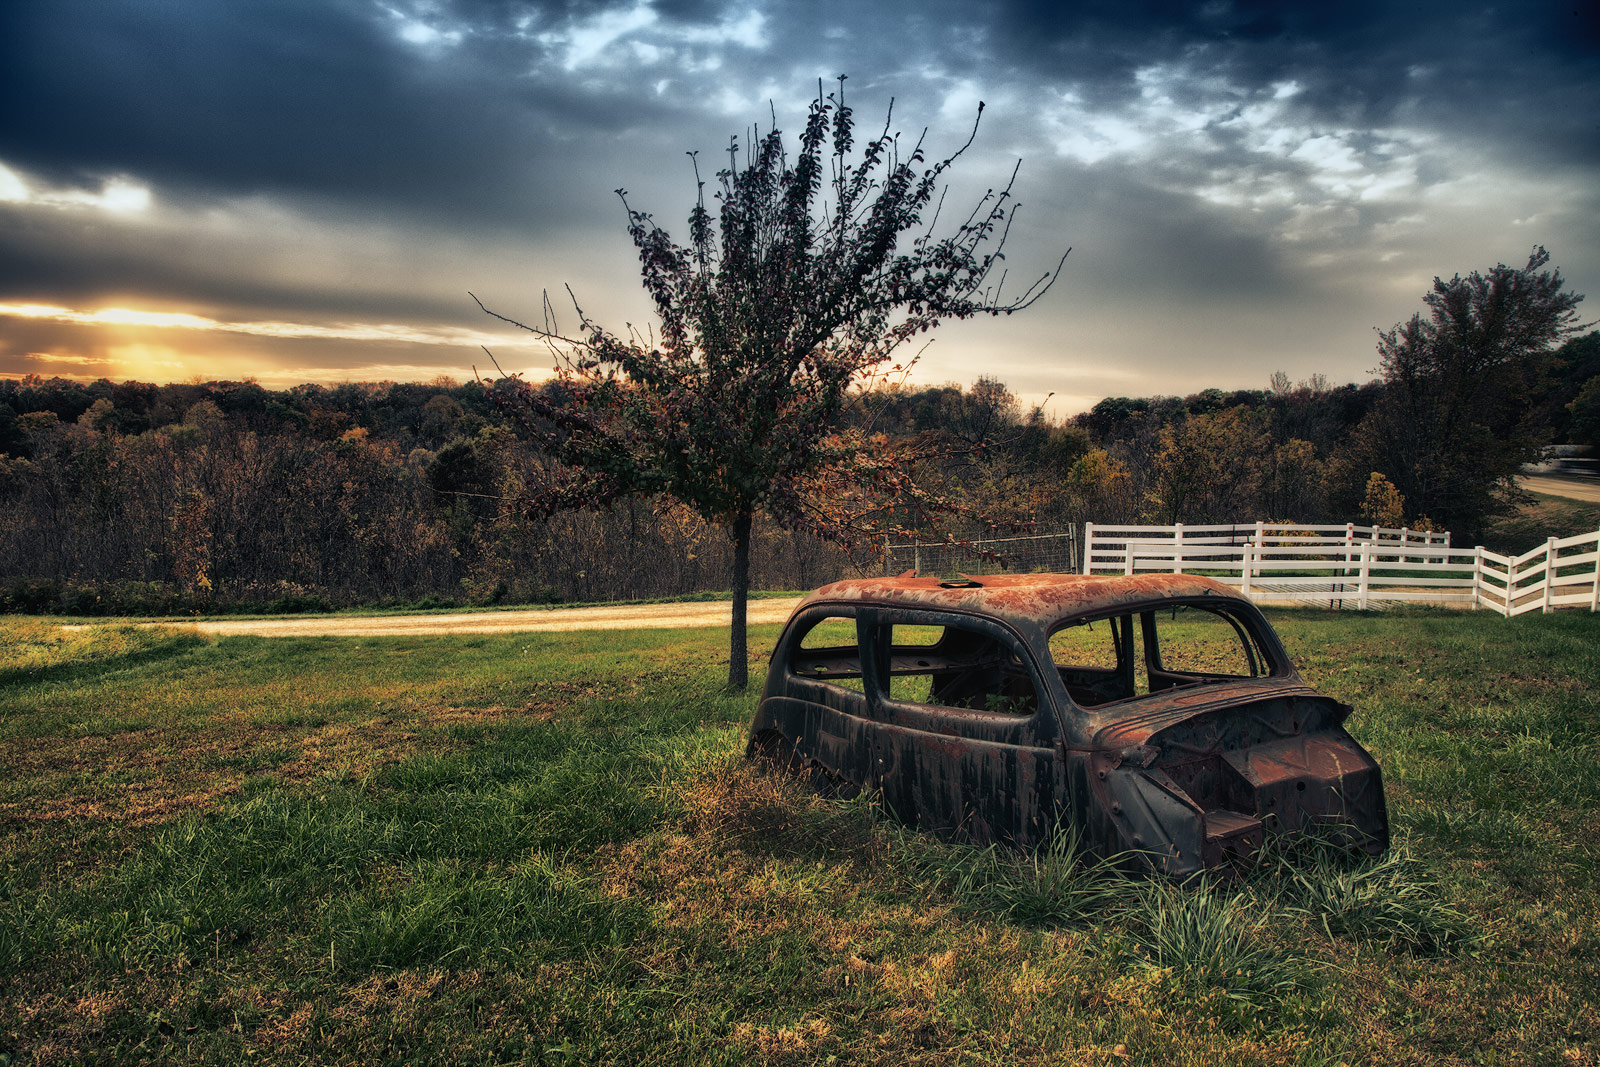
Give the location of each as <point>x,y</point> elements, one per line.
<point>128,497</point>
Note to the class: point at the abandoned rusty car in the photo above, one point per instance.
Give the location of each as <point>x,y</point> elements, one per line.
<point>1157,714</point>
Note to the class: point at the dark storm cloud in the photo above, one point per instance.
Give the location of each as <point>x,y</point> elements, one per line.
<point>1522,75</point>
<point>325,97</point>
<point>326,108</point>
<point>302,97</point>
<point>355,159</point>
<point>282,94</point>
<point>1148,240</point>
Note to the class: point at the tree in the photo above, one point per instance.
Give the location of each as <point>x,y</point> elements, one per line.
<point>1210,467</point>
<point>807,279</point>
<point>1099,489</point>
<point>1585,412</point>
<point>1292,482</point>
<point>1456,420</point>
<point>1383,505</point>
<point>1573,388</point>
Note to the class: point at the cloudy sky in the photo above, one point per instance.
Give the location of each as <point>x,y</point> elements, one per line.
<point>298,190</point>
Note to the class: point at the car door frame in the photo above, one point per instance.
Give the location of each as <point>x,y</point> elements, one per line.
<point>989,775</point>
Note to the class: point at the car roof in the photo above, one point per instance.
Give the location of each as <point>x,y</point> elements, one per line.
<point>1029,599</point>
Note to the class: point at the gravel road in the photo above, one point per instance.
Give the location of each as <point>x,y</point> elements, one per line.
<point>1586,489</point>
<point>621,617</point>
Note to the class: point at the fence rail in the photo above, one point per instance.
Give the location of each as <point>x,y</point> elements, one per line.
<point>1355,566</point>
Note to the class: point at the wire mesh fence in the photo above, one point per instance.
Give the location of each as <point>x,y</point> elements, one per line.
<point>1027,554</point>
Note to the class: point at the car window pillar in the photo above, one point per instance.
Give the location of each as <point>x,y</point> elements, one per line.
<point>1152,645</point>
<point>873,638</point>
<point>1126,666</point>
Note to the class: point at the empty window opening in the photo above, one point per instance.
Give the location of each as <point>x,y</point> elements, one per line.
<point>1127,656</point>
<point>1197,645</point>
<point>961,667</point>
<point>1099,660</point>
<point>829,651</point>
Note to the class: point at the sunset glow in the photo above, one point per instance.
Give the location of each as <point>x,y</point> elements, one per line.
<point>443,335</point>
<point>1244,191</point>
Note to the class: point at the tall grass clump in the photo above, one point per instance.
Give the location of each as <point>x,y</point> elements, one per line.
<point>1061,883</point>
<point>1391,899</point>
<point>1211,937</point>
<point>27,927</point>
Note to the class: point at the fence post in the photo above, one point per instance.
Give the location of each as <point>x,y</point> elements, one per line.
<point>1594,597</point>
<point>1549,575</point>
<point>916,556</point>
<point>1246,569</point>
<point>1177,550</point>
<point>1477,577</point>
<point>1260,533</point>
<point>1127,558</point>
<point>1088,545</point>
<point>1366,574</point>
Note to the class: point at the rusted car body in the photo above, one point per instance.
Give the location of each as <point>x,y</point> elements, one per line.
<point>1159,714</point>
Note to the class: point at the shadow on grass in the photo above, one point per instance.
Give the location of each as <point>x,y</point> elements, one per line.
<point>84,668</point>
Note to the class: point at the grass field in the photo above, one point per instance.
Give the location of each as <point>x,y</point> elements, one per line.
<point>545,848</point>
<point>1544,516</point>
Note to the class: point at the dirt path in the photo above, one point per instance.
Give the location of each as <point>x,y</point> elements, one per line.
<point>621,617</point>
<point>1585,489</point>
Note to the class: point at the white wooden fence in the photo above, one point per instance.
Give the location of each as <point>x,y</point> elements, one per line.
<point>1355,566</point>
<point>1564,572</point>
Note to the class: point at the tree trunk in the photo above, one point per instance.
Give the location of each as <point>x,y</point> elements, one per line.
<point>738,666</point>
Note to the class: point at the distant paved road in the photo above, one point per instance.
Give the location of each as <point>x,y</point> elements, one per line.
<point>1585,489</point>
<point>622,617</point>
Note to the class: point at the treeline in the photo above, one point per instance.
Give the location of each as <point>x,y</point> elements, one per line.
<point>130,497</point>
<point>1438,450</point>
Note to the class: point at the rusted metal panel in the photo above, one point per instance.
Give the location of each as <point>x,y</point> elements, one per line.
<point>1036,599</point>
<point>1190,777</point>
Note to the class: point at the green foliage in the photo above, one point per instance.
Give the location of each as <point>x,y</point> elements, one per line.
<point>1458,419</point>
<point>1208,462</point>
<point>1585,414</point>
<point>1383,505</point>
<point>1100,486</point>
